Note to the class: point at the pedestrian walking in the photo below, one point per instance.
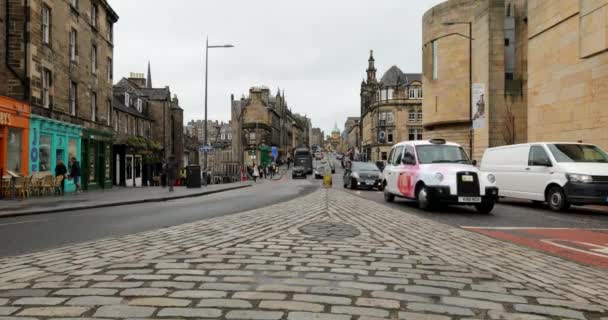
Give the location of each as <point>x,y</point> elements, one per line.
<point>288,162</point>
<point>171,172</point>
<point>256,173</point>
<point>61,171</point>
<point>75,174</point>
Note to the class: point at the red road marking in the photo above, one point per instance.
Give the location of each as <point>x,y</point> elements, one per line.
<point>581,245</point>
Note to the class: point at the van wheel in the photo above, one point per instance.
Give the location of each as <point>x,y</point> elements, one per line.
<point>485,206</point>
<point>388,197</point>
<point>422,197</point>
<point>557,199</point>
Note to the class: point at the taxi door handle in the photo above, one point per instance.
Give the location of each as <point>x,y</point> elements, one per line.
<point>528,169</point>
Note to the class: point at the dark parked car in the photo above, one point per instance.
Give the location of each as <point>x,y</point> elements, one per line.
<point>298,171</point>
<point>363,175</point>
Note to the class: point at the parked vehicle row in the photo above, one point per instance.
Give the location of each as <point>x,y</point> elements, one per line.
<point>435,171</point>
<point>560,174</point>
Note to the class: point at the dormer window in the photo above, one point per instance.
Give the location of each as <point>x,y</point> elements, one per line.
<point>139,105</point>
<point>126,99</point>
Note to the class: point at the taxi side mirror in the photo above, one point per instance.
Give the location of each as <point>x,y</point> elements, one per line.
<point>474,162</point>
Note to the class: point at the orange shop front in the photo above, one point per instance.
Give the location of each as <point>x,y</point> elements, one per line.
<point>14,136</point>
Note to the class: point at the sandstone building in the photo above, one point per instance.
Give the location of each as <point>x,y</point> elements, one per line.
<point>58,57</point>
<point>261,122</point>
<point>391,110</point>
<point>499,72</point>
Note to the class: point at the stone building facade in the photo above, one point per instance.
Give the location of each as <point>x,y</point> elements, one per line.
<point>391,110</point>
<point>317,138</point>
<point>568,71</point>
<point>133,153</point>
<point>351,129</point>
<point>58,57</point>
<point>163,110</point>
<point>262,121</point>
<point>499,73</point>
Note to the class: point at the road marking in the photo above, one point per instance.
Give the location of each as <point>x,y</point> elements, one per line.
<point>600,251</point>
<point>522,228</point>
<point>22,222</point>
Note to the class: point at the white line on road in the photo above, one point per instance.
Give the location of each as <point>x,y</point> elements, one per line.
<point>522,228</point>
<point>22,222</point>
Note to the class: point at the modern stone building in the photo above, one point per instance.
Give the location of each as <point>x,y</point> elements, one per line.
<point>567,46</point>
<point>58,57</point>
<point>391,110</point>
<point>497,114</point>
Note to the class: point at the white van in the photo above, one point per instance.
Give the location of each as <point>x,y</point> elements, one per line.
<point>559,173</point>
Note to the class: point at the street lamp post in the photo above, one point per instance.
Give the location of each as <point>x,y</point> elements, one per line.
<point>470,37</point>
<point>378,122</point>
<point>207,47</point>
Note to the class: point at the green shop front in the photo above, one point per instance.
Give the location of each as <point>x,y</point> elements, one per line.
<point>96,162</point>
<point>52,141</point>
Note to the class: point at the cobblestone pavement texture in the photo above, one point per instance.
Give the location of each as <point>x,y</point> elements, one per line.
<point>327,255</point>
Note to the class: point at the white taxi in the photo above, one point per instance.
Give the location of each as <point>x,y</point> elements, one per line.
<point>435,171</point>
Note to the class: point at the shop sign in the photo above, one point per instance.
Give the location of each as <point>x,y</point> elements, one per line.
<point>34,150</point>
<point>5,119</point>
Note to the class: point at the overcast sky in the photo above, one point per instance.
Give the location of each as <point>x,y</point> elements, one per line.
<point>315,50</point>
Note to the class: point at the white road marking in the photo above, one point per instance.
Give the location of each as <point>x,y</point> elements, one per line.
<point>22,222</point>
<point>522,228</point>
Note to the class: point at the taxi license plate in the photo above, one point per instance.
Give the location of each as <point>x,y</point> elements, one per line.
<point>369,182</point>
<point>469,199</point>
<point>467,178</point>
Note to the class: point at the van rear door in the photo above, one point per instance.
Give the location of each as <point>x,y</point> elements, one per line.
<point>508,164</point>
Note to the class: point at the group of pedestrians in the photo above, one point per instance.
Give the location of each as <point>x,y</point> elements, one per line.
<point>74,174</point>
<point>262,172</point>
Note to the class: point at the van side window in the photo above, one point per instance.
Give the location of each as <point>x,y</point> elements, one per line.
<point>409,157</point>
<point>538,157</point>
<point>397,156</point>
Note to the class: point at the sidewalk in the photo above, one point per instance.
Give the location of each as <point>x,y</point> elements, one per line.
<point>106,198</point>
<point>327,255</point>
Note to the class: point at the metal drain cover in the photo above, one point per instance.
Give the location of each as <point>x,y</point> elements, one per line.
<point>330,230</point>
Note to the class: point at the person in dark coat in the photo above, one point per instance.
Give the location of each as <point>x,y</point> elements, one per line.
<point>75,174</point>
<point>171,171</point>
<point>61,171</point>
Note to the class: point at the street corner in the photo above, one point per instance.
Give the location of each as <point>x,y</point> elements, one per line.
<point>585,246</point>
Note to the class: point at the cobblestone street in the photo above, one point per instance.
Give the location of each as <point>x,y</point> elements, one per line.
<point>326,255</point>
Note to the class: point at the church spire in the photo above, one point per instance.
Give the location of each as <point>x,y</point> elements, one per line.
<point>149,78</point>
<point>371,68</point>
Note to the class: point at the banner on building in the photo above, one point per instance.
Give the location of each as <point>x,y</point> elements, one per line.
<point>479,106</point>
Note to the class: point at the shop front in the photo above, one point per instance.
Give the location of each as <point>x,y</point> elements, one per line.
<point>52,141</point>
<point>96,159</point>
<point>128,166</point>
<point>14,135</point>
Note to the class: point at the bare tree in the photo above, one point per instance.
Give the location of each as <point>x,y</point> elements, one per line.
<point>508,131</point>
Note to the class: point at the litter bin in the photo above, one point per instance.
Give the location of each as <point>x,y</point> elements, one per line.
<point>193,176</point>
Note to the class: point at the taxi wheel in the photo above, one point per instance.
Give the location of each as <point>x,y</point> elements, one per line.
<point>485,206</point>
<point>353,184</point>
<point>388,197</point>
<point>422,197</point>
<point>557,199</point>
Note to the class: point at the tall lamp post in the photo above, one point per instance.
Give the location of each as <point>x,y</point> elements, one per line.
<point>470,37</point>
<point>205,143</point>
<point>378,122</point>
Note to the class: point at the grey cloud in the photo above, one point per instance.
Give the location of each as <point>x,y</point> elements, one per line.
<point>316,50</point>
